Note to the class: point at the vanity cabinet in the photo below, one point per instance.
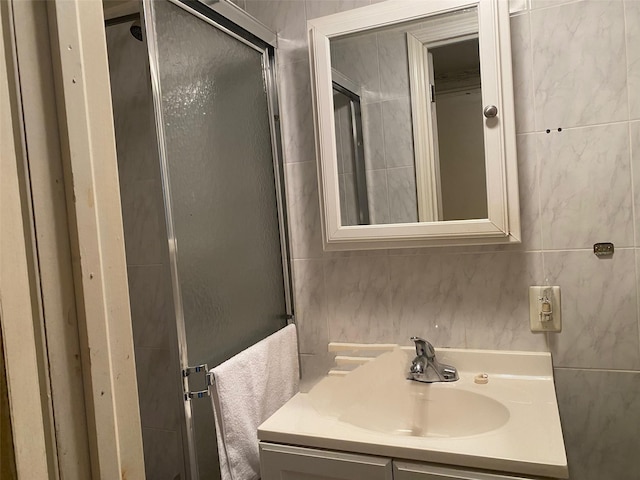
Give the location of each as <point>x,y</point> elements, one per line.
<point>422,471</point>
<point>286,462</point>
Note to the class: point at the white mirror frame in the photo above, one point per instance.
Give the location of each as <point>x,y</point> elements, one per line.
<point>503,223</point>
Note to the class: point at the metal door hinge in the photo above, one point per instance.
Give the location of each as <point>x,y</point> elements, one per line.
<point>186,372</point>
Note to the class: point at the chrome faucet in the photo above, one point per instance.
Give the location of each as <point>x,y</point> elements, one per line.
<point>425,368</point>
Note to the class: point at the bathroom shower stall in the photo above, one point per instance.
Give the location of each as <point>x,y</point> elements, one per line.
<point>199,160</point>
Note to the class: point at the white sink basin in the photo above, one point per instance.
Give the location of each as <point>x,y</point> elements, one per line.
<point>377,396</point>
<point>510,424</point>
<point>431,410</point>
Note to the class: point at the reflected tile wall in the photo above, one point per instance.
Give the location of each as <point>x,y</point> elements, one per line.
<point>402,195</point>
<point>351,200</point>
<point>372,131</point>
<point>378,190</point>
<point>398,141</point>
<point>378,63</point>
<point>357,59</point>
<point>393,63</point>
<point>327,7</point>
<point>576,66</point>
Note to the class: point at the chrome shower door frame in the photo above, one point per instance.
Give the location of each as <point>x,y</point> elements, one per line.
<point>234,21</point>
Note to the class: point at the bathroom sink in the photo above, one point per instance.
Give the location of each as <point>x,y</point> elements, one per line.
<point>377,396</point>
<point>508,424</point>
<point>431,411</point>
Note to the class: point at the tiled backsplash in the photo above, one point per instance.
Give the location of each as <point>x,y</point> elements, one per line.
<point>576,68</point>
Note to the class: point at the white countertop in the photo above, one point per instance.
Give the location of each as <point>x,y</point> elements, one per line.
<point>528,438</point>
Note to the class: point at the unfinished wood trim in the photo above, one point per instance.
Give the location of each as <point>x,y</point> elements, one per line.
<point>7,453</point>
<point>52,237</point>
<point>93,202</point>
<point>17,315</point>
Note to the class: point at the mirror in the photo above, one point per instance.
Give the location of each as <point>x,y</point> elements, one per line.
<point>414,124</point>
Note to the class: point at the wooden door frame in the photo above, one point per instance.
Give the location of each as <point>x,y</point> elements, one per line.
<point>61,131</point>
<point>18,318</point>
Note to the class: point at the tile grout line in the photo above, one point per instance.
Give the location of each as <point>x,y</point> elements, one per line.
<point>538,164</point>
<point>384,144</point>
<point>548,7</point>
<point>603,370</point>
<point>325,299</point>
<point>631,169</point>
<point>576,127</point>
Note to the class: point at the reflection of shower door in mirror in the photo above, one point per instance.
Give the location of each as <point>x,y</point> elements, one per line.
<point>354,201</point>
<point>217,127</point>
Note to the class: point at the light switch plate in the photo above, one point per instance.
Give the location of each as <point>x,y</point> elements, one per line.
<point>536,296</point>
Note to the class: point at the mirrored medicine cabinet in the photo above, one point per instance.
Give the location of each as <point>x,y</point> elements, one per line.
<point>414,118</point>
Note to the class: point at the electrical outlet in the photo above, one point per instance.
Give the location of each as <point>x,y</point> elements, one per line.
<point>545,314</point>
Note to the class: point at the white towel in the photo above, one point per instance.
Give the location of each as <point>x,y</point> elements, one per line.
<point>248,389</point>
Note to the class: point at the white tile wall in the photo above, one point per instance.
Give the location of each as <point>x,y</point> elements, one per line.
<point>529,185</point>
<point>579,64</point>
<point>632,29</point>
<point>358,298</point>
<point>585,187</point>
<point>600,324</point>
<point>576,67</point>
<point>311,300</point>
<point>522,72</point>
<point>297,124</point>
<point>602,412</point>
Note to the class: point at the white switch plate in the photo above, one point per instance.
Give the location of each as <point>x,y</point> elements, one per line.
<point>535,306</point>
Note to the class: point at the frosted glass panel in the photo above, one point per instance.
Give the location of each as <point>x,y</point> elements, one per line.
<point>223,196</point>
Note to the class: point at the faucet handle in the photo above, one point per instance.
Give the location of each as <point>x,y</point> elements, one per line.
<point>424,348</point>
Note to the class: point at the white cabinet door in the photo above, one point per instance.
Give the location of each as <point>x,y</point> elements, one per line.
<point>421,471</point>
<point>283,462</point>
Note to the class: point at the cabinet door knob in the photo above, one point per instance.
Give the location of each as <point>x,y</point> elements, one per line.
<point>490,111</point>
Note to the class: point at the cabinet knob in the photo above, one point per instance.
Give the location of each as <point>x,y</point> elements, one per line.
<point>490,111</point>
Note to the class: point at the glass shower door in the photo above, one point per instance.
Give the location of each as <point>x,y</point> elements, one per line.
<point>215,124</point>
